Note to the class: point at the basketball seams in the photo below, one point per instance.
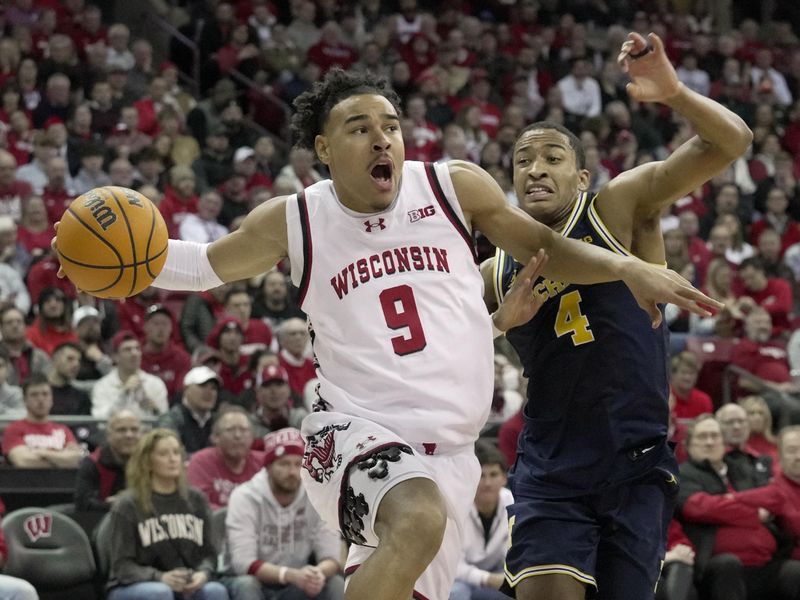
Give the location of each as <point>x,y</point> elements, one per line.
<point>83,252</point>
<point>130,236</point>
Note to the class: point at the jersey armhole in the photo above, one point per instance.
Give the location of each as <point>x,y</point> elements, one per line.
<point>298,228</point>
<point>445,194</point>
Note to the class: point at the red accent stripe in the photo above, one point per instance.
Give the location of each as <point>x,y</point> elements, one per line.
<point>305,228</point>
<point>438,193</point>
<point>417,596</point>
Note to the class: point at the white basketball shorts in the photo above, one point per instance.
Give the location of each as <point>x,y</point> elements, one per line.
<point>349,465</point>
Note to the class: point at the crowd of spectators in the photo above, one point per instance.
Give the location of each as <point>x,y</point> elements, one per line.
<point>85,103</point>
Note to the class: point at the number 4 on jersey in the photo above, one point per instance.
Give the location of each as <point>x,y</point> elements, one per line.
<point>570,320</point>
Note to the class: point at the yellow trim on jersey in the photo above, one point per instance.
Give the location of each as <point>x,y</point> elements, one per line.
<point>574,215</point>
<point>497,275</point>
<point>555,569</point>
<point>602,230</point>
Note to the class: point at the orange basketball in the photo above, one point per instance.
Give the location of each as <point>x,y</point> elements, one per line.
<point>112,242</point>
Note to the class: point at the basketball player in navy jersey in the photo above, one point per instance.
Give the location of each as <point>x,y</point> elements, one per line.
<point>384,259</point>
<point>594,479</point>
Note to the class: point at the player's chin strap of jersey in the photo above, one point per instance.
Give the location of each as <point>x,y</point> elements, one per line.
<point>187,268</point>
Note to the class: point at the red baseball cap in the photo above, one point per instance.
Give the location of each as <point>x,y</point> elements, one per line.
<point>273,373</point>
<point>284,442</point>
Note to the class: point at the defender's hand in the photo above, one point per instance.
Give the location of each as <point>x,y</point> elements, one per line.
<point>653,78</point>
<point>652,285</point>
<point>520,304</point>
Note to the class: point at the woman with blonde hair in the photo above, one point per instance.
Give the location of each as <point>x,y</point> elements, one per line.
<point>160,529</point>
<point>762,440</point>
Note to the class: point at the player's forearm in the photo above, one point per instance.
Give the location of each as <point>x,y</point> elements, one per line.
<point>714,124</point>
<point>573,261</point>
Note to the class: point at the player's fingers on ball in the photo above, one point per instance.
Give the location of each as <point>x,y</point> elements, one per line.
<point>655,41</point>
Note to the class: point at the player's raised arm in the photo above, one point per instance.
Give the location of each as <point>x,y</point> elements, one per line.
<point>722,136</point>
<point>252,249</point>
<point>571,261</point>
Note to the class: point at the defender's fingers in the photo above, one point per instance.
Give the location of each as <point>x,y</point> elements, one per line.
<point>695,295</point>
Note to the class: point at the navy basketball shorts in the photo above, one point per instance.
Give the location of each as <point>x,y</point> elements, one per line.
<point>613,541</point>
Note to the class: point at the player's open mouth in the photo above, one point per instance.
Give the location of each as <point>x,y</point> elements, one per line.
<point>381,173</point>
<point>538,191</point>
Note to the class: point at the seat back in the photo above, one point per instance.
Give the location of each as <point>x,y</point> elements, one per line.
<point>102,547</point>
<point>47,548</point>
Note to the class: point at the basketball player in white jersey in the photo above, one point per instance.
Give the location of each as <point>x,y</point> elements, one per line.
<point>383,256</point>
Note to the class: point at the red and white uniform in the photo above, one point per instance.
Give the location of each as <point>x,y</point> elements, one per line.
<point>393,297</point>
<point>404,346</point>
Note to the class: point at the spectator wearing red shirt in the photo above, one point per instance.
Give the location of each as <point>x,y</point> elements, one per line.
<point>735,550</point>
<point>227,337</point>
<point>58,193</point>
<point>480,92</point>
<point>240,53</point>
<point>425,136</point>
<point>244,164</point>
<point>13,192</point>
<point>218,470</point>
<point>294,339</point>
<point>756,354</point>
<point>35,231</point>
<point>776,218</point>
<point>35,442</point>
<point>90,30</point>
<point>699,254</point>
<point>508,435</point>
<point>418,53</point>
<point>257,335</point>
<point>782,496</point>
<point>161,356</point>
<point>761,441</point>
<point>179,199</point>
<point>772,294</point>
<point>52,326</point>
<point>20,137</point>
<point>131,311</point>
<point>331,51</point>
<point>150,106</point>
<point>689,401</point>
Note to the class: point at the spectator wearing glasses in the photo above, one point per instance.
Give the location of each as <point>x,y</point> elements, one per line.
<point>735,428</point>
<point>192,418</point>
<point>218,470</point>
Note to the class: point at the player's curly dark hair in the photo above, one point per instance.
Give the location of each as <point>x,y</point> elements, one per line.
<point>313,107</point>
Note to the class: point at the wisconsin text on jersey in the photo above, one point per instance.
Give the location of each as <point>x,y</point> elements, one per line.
<point>389,262</point>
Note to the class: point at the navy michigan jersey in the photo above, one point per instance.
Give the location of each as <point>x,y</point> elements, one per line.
<point>597,409</point>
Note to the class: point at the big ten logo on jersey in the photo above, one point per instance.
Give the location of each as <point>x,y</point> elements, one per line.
<point>420,213</point>
<point>38,526</point>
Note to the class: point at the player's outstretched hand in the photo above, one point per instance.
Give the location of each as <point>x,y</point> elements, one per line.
<point>653,78</point>
<point>652,285</point>
<point>520,304</point>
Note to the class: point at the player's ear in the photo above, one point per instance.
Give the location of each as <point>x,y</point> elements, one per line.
<point>583,180</point>
<point>321,147</point>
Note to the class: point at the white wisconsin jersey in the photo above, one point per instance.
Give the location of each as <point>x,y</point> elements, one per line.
<point>400,331</point>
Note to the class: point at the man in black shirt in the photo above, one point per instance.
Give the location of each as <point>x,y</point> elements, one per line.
<point>193,417</point>
<point>67,399</point>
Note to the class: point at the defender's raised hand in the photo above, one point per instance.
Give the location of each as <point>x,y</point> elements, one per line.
<point>653,78</point>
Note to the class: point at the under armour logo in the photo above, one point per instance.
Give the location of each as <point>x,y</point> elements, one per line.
<point>370,225</point>
<point>362,445</point>
<point>38,526</point>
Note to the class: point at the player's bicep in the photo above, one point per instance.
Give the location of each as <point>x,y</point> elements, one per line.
<point>485,206</point>
<point>255,247</point>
